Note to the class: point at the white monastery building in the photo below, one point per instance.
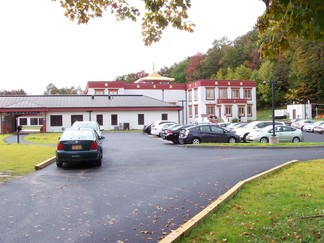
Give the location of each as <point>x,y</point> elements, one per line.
<point>122,105</point>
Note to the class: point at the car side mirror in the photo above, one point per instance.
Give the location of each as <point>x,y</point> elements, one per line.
<point>101,137</point>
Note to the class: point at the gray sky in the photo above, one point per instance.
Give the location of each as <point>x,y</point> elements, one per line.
<point>39,45</point>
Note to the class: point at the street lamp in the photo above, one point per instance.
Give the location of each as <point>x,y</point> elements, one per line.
<point>273,139</point>
<point>182,101</point>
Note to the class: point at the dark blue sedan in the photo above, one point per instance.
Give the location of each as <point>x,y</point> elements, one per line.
<point>79,145</point>
<point>207,133</point>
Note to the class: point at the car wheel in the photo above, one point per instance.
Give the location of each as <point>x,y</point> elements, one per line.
<point>244,137</point>
<point>302,128</point>
<point>195,141</point>
<point>296,140</point>
<point>59,164</point>
<point>99,161</point>
<point>264,140</point>
<point>175,142</point>
<point>232,140</point>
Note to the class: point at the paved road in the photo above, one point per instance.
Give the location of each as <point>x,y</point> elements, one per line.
<point>144,189</point>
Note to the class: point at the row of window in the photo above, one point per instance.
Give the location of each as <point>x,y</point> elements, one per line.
<point>57,120</point>
<point>110,91</point>
<point>211,110</point>
<point>33,121</point>
<point>222,94</point>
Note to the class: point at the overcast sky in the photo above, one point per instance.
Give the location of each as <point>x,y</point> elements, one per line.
<point>39,45</point>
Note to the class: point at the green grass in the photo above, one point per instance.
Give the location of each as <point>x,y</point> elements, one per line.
<point>286,206</point>
<point>43,138</point>
<point>20,159</point>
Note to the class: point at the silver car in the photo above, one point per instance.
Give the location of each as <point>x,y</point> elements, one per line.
<point>285,134</point>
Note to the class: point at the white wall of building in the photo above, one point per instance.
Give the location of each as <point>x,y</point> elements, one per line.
<point>130,117</point>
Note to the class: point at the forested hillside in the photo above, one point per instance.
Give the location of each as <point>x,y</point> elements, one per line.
<point>300,68</point>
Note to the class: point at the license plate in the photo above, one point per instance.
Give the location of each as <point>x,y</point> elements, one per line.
<point>76,147</point>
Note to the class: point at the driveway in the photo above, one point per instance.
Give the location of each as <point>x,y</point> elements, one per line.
<point>144,189</point>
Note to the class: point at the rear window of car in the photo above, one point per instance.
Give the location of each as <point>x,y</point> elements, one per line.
<point>86,125</point>
<point>77,135</point>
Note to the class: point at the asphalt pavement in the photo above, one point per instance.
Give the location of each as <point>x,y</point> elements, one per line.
<point>145,188</point>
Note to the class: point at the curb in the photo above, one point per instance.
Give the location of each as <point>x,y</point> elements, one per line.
<point>178,234</point>
<point>44,163</point>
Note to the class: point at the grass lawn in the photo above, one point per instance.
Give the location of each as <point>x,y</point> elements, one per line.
<point>43,138</point>
<point>287,206</point>
<point>20,159</point>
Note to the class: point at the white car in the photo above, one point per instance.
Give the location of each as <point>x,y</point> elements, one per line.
<point>319,128</point>
<point>301,123</point>
<point>285,134</point>
<point>157,126</point>
<point>88,124</point>
<point>310,127</point>
<point>252,126</point>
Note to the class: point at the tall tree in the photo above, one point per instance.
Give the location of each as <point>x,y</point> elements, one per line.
<point>13,92</point>
<point>306,77</point>
<point>179,72</point>
<point>51,89</point>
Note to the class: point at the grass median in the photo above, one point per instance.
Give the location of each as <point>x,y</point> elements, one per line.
<point>20,159</point>
<point>287,206</point>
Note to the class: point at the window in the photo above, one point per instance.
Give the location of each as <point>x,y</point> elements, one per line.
<point>140,119</point>
<point>190,95</point>
<point>75,118</point>
<point>241,110</point>
<point>22,121</point>
<point>249,110</point>
<point>100,119</point>
<point>196,94</point>
<point>164,117</point>
<point>190,111</point>
<point>99,91</point>
<point>33,121</point>
<point>41,121</point>
<point>113,91</point>
<point>196,110</point>
<point>235,93</point>
<point>114,120</point>
<point>222,93</point>
<point>210,109</point>
<point>210,94</point>
<point>56,120</point>
<point>228,110</point>
<point>247,94</point>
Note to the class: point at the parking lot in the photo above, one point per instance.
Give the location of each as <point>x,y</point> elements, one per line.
<point>145,188</point>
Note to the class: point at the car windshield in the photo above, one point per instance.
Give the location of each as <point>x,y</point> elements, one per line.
<point>77,135</point>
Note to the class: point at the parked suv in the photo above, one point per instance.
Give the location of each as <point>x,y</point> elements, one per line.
<point>252,126</point>
<point>207,133</point>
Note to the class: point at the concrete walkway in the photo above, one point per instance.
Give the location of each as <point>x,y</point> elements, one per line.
<point>14,139</point>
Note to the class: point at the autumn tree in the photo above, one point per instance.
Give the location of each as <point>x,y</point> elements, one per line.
<point>131,77</point>
<point>285,20</point>
<point>155,15</point>
<point>193,68</point>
